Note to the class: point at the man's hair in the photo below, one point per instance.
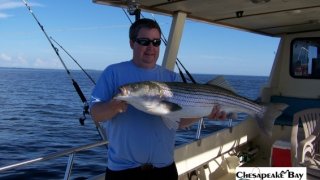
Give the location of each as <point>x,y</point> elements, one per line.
<point>142,23</point>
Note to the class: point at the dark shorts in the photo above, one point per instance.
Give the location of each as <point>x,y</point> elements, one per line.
<point>144,172</point>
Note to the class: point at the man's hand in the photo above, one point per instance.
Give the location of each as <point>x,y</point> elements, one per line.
<point>119,106</point>
<point>102,111</point>
<point>216,113</point>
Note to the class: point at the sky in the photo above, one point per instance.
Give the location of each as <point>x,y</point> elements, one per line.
<point>97,36</point>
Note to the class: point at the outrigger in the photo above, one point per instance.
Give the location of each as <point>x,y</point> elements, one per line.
<point>294,80</point>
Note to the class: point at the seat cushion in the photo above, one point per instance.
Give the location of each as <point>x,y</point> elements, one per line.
<point>294,105</point>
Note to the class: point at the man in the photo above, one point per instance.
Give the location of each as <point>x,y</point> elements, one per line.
<point>140,144</point>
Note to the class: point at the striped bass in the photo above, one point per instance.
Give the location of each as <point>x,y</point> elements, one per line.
<point>175,100</point>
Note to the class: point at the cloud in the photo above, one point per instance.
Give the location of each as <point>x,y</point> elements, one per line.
<point>4,15</point>
<point>12,4</point>
<point>12,61</point>
<point>48,64</point>
<point>9,4</point>
<point>23,61</point>
<point>5,57</point>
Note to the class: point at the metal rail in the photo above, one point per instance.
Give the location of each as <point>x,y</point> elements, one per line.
<point>69,152</point>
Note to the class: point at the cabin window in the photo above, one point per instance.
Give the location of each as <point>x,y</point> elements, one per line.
<point>305,58</point>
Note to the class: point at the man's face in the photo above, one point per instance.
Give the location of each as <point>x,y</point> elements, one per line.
<point>146,56</point>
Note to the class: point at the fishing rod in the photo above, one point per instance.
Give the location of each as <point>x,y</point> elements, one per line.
<point>201,122</point>
<point>74,61</point>
<point>185,69</point>
<point>137,15</point>
<point>163,38</point>
<point>75,84</point>
<point>125,12</point>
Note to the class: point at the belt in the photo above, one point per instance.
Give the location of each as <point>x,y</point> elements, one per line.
<point>145,171</point>
<point>146,167</point>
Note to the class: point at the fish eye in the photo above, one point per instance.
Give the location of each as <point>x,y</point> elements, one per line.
<point>135,87</point>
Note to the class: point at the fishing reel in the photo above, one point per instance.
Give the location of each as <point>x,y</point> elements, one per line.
<point>84,112</point>
<point>133,9</point>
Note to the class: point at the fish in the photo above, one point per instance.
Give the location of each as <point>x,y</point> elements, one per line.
<point>175,100</point>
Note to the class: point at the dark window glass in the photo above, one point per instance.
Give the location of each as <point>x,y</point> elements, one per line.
<point>305,58</point>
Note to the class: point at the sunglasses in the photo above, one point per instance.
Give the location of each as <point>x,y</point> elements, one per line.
<point>146,42</point>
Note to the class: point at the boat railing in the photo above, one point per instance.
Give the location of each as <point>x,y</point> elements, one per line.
<point>71,152</point>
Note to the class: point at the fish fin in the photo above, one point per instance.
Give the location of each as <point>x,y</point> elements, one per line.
<point>171,123</point>
<point>271,112</point>
<point>221,82</point>
<point>170,106</point>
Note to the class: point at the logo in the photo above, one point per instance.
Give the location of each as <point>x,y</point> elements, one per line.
<point>268,173</point>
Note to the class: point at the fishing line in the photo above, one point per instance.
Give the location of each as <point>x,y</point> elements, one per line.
<point>74,61</point>
<point>201,122</point>
<point>75,84</point>
<point>181,74</point>
<point>125,12</point>
<point>184,68</point>
<point>163,38</point>
<point>165,42</point>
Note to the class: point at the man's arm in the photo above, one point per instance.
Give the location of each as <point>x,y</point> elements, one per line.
<point>102,111</point>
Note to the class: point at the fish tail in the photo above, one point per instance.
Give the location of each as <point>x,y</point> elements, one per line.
<point>268,115</point>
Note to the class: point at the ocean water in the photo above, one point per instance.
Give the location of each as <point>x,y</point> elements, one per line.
<point>40,113</point>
